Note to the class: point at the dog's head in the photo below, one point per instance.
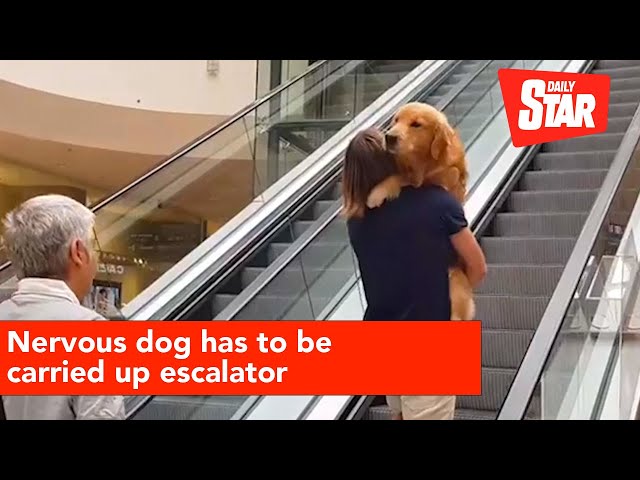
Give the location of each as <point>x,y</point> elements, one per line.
<point>420,137</point>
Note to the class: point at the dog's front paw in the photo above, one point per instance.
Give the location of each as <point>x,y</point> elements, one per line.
<point>376,198</point>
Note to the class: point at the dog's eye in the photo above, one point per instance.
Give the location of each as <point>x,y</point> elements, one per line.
<point>415,124</point>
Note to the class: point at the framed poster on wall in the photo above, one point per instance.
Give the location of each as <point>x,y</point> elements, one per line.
<point>105,298</point>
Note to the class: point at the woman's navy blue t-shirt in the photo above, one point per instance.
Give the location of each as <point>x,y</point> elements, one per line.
<point>404,252</point>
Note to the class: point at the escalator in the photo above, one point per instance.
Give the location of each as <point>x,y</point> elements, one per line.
<point>296,273</point>
<point>528,241</point>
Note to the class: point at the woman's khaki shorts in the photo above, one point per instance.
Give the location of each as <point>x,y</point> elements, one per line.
<point>422,408</point>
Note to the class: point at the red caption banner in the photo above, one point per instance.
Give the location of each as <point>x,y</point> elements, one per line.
<point>240,358</point>
<point>544,106</point>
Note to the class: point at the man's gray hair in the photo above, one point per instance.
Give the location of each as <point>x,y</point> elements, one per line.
<point>39,232</point>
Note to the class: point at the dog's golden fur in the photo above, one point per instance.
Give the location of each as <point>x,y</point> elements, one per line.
<point>427,150</point>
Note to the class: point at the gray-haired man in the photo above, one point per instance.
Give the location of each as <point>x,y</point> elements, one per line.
<point>49,240</point>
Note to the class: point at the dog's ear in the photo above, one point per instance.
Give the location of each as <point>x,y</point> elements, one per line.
<point>442,142</point>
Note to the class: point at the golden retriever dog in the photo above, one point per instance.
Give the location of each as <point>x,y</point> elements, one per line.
<point>428,151</point>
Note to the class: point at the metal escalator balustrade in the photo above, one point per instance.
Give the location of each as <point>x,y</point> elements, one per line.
<point>284,302</point>
<point>568,365</point>
<point>152,224</point>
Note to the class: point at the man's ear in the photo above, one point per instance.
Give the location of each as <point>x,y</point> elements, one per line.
<point>77,252</point>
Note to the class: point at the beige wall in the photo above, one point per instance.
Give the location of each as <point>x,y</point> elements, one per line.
<point>183,86</point>
<point>103,146</point>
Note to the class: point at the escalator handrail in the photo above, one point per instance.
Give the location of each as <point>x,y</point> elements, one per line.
<point>211,257</point>
<point>248,294</point>
<point>528,375</point>
<point>203,138</point>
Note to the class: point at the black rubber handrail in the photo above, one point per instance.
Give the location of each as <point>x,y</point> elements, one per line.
<point>528,375</point>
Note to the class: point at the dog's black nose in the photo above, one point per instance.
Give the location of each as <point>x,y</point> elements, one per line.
<point>390,140</point>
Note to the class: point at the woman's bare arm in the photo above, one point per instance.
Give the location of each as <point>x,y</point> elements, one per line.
<point>468,249</point>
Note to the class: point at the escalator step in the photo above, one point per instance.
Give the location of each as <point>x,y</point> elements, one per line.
<point>552,200</point>
<point>622,109</point>
<point>539,224</point>
<point>221,301</point>
<point>602,141</point>
<point>335,231</point>
<point>624,96</point>
<point>504,348</point>
<point>469,414</point>
<point>625,83</point>
<point>191,408</point>
<point>379,412</point>
<point>520,280</point>
<point>382,412</point>
<point>322,206</point>
<point>495,385</point>
<point>563,180</point>
<point>618,124</point>
<point>527,250</point>
<point>573,161</point>
<point>510,312</point>
<point>297,278</point>
<point>273,307</point>
<point>621,72</point>
<point>606,64</point>
<point>316,254</point>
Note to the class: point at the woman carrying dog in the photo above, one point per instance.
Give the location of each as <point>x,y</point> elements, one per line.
<point>404,250</point>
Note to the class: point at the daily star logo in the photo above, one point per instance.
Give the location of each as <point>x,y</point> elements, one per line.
<point>548,106</point>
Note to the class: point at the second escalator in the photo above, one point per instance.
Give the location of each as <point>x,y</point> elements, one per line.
<point>530,239</point>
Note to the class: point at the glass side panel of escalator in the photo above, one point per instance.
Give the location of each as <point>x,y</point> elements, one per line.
<point>154,224</point>
<point>593,368</point>
<point>308,287</point>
